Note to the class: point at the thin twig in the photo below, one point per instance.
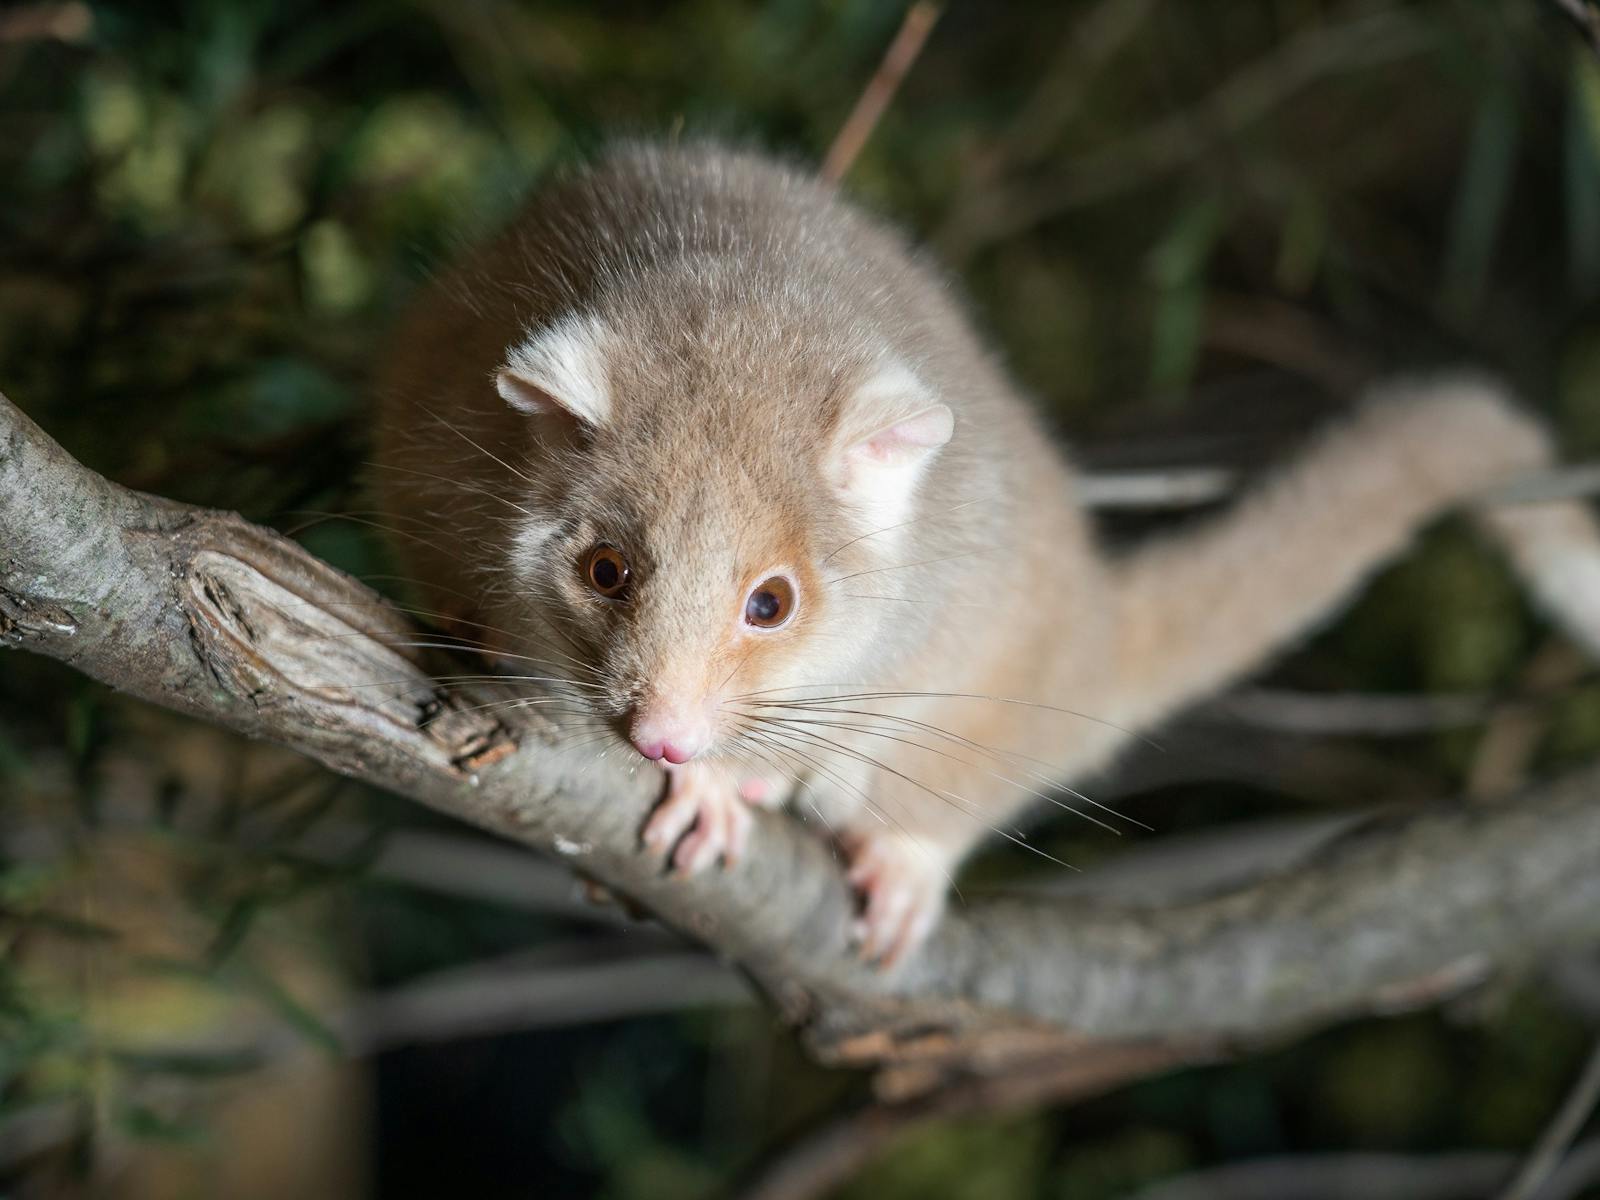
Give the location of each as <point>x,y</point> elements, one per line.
<point>1586,17</point>
<point>1191,487</point>
<point>885,82</point>
<point>1251,94</point>
<point>1162,488</point>
<point>1559,673</point>
<point>818,1160</point>
<point>1514,731</point>
<point>1558,1135</point>
<point>1462,1175</point>
<point>1575,978</point>
<point>1563,483</point>
<point>1352,714</point>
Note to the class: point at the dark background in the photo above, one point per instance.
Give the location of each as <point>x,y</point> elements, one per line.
<point>1194,230</point>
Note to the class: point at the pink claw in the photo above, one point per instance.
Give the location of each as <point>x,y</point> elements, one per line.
<point>700,821</point>
<point>902,887</point>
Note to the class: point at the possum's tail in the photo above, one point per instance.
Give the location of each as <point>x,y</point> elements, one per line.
<point>1555,548</point>
<point>1199,609</point>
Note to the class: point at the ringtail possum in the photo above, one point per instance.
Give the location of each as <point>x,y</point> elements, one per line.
<point>717,463</point>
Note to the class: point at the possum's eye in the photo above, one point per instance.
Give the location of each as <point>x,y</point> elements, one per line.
<point>770,604</point>
<point>606,571</point>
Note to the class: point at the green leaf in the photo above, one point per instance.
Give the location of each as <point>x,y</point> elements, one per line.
<point>280,397</point>
<point>13,763</point>
<point>1302,243</point>
<point>67,926</point>
<point>234,928</point>
<point>1177,266</point>
<point>1481,201</point>
<point>307,1023</point>
<point>191,1064</point>
<point>1181,256</point>
<point>145,1124</point>
<point>1582,176</point>
<point>1175,339</point>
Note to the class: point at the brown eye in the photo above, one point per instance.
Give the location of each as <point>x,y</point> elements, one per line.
<point>607,571</point>
<point>771,604</point>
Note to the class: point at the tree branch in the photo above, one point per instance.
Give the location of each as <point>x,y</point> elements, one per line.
<point>1585,19</point>
<point>1569,1120</point>
<point>1463,1175</point>
<point>204,613</point>
<point>885,82</point>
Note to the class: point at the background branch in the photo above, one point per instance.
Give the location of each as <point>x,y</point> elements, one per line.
<point>1568,1121</point>
<point>874,100</point>
<point>1460,1176</point>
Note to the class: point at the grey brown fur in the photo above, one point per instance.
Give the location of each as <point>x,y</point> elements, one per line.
<point>737,338</point>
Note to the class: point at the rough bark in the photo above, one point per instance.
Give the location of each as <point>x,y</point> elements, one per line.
<point>204,613</point>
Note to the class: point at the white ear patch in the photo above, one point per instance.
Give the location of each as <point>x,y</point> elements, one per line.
<point>894,428</point>
<point>560,369</point>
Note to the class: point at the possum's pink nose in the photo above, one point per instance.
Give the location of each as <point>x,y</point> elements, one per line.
<point>670,733</point>
<point>656,749</point>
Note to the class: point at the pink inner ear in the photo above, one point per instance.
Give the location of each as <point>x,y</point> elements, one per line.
<point>911,438</point>
<point>524,395</point>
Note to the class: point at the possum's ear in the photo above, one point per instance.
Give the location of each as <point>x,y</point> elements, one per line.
<point>893,428</point>
<point>559,371</point>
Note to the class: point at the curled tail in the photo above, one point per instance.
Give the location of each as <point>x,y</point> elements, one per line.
<point>1555,548</point>
<point>1197,610</point>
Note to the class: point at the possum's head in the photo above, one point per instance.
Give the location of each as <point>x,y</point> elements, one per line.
<point>707,507</point>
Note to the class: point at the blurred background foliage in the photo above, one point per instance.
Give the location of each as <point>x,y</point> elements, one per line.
<point>1193,229</point>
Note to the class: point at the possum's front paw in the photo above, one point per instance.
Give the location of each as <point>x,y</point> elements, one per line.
<point>902,886</point>
<point>702,818</point>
